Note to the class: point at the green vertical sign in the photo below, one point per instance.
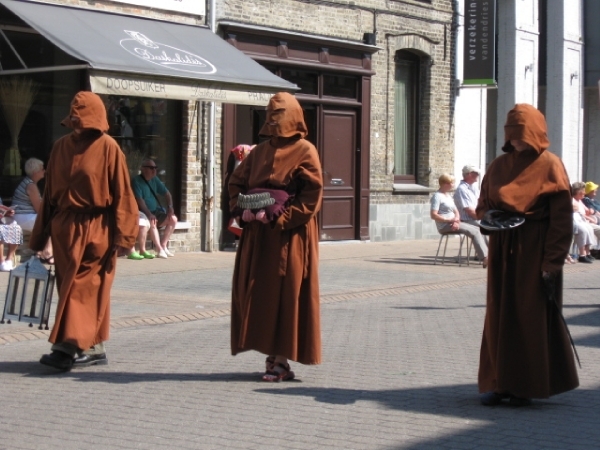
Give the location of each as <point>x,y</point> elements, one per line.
<point>479,61</point>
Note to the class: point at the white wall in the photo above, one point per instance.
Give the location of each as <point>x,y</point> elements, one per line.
<point>564,101</point>
<point>518,39</point>
<point>518,59</point>
<point>469,132</point>
<point>470,115</point>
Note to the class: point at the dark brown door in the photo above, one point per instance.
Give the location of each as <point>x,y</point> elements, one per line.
<point>338,158</point>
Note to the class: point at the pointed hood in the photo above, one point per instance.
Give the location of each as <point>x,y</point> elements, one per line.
<point>284,117</point>
<point>90,110</point>
<point>525,123</point>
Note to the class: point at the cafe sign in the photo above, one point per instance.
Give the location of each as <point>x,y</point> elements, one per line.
<point>172,58</point>
<point>171,88</point>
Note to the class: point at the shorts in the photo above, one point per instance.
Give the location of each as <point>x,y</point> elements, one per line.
<point>161,216</point>
<point>25,221</point>
<point>144,222</point>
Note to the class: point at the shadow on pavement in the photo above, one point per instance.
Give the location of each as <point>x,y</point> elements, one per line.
<point>424,308</point>
<point>425,261</point>
<point>504,426</point>
<point>420,261</point>
<point>106,374</point>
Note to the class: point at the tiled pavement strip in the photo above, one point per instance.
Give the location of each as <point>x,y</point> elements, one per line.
<point>400,343</point>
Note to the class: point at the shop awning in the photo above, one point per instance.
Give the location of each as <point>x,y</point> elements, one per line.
<point>143,57</point>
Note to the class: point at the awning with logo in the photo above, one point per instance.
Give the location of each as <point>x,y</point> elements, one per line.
<point>142,57</point>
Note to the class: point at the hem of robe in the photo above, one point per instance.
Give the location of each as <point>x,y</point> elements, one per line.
<point>313,362</point>
<point>523,394</point>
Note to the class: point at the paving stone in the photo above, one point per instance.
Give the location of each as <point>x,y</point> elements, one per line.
<point>399,368</point>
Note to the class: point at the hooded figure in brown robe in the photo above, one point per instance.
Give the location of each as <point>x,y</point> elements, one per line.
<point>525,350</point>
<point>89,211</point>
<point>275,295</point>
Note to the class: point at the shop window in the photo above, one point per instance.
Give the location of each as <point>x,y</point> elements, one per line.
<point>30,128</point>
<point>32,104</point>
<point>308,82</point>
<point>319,83</point>
<point>340,86</point>
<point>148,128</point>
<point>406,116</point>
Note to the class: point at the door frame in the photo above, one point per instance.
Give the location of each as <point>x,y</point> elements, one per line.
<point>272,47</point>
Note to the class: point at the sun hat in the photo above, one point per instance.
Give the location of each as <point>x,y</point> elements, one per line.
<point>590,186</point>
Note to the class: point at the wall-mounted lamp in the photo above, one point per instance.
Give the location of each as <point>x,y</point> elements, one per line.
<point>370,38</point>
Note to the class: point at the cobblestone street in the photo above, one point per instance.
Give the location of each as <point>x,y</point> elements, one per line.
<point>401,343</point>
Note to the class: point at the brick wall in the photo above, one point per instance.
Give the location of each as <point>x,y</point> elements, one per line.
<point>421,26</point>
<point>403,24</point>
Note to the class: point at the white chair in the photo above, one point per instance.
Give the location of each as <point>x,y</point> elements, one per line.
<point>463,239</point>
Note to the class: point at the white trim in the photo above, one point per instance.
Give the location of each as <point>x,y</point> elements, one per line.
<point>183,225</point>
<point>195,7</point>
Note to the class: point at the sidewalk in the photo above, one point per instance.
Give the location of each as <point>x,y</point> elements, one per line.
<point>400,341</point>
<point>193,286</point>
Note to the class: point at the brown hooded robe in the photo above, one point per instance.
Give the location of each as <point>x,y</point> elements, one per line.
<point>275,295</point>
<point>88,208</point>
<point>525,350</point>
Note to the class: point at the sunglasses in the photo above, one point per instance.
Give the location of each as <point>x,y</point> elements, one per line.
<point>150,167</point>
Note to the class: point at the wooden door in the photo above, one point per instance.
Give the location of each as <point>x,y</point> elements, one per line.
<point>338,157</point>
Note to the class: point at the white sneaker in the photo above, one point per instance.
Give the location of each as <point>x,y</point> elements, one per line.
<point>169,253</point>
<point>6,266</point>
<point>162,254</point>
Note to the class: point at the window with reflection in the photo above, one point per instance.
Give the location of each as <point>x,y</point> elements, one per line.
<point>308,82</point>
<point>32,103</point>
<point>340,86</point>
<point>406,116</point>
<point>148,128</point>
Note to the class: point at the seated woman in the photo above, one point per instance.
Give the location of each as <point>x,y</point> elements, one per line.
<point>447,218</point>
<point>27,202</point>
<point>578,194</point>
<point>584,225</point>
<point>11,235</point>
<point>589,200</point>
<point>584,238</point>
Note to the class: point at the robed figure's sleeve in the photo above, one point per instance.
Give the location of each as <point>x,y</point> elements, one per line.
<point>123,204</point>
<point>306,178</point>
<point>560,229</point>
<point>307,201</point>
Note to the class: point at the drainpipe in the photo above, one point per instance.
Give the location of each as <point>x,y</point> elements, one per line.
<point>210,158</point>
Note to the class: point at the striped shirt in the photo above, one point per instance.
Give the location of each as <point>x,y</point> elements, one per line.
<point>21,201</point>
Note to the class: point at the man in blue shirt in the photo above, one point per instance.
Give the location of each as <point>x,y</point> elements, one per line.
<point>466,195</point>
<point>146,188</point>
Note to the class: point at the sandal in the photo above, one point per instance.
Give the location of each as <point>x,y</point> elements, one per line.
<point>48,260</point>
<point>276,376</point>
<point>269,363</point>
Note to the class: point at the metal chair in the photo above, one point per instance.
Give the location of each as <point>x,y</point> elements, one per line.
<point>463,238</point>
